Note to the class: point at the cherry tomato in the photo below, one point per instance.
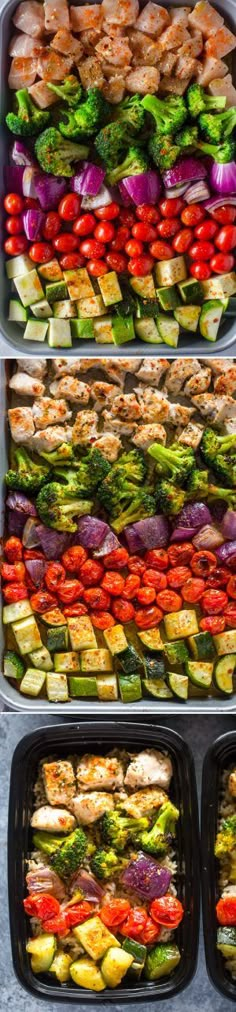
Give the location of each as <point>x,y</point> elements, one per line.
<point>121,237</point>
<point>214,601</point>
<point>147,618</point>
<point>168,228</point>
<point>76,913</point>
<point>84,225</point>
<point>201,271</point>
<point>180,553</point>
<point>134,248</point>
<point>74,558</point>
<point>57,925</point>
<point>206,230</point>
<point>13,203</point>
<point>14,225</point>
<point>52,225</point>
<point>230,614</point>
<point>155,578</point>
<point>123,611</point>
<point>135,923</point>
<point>171,207</point>
<point>192,215</point>
<point>213,624</point>
<point>226,238</point>
<point>143,231</point>
<point>113,913</point>
<point>221,263</point>
<point>150,933</point>
<point>17,244</point>
<point>161,250</point>
<point>69,207</point>
<point>146,212</point>
<point>167,911</point>
<point>231,587</point>
<point>108,212</point>
<point>226,910</point>
<point>132,584</point>
<point>182,240</point>
<point>97,598</point>
<point>193,590</point>
<point>97,268</point>
<point>92,249</point>
<point>13,549</point>
<point>42,601</point>
<point>136,565</point>
<point>42,905</point>
<point>117,558</point>
<point>114,583</point>
<point>70,591</point>
<point>104,231</point>
<point>157,558</point>
<point>168,600</point>
<point>203,563</point>
<point>219,578</point>
<point>224,214</point>
<point>201,251</point>
<point>116,262</point>
<point>65,243</point>
<point>40,252</point>
<point>16,572</point>
<point>91,573</point>
<point>71,261</point>
<point>178,576</point>
<point>127,217</point>
<point>75,609</point>
<point>140,266</point>
<point>102,619</point>
<point>14,592</point>
<point>146,595</point>
<point>54,576</point>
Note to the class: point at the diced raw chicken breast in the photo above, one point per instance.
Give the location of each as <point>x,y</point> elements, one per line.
<point>226,383</point>
<point>33,366</point>
<point>221,43</point>
<point>71,389</point>
<point>224,87</point>
<point>21,424</point>
<point>115,51</point>
<point>59,782</point>
<point>41,95</point>
<point>179,15</point>
<point>144,49</point>
<point>26,385</point>
<point>179,371</point>
<point>152,369</point>
<point>148,434</point>
<point>114,89</point>
<point>29,18</point>
<point>152,19</point>
<point>109,445</point>
<point>96,772</point>
<point>53,820</point>
<point>90,72</point>
<point>90,807</point>
<point>111,423</point>
<point>126,407</point>
<point>85,428</point>
<point>206,18</point>
<point>49,412</point>
<point>153,404</point>
<point>148,768</point>
<point>143,79</point>
<point>52,66</point>
<point>24,45</point>
<point>167,63</point>
<point>115,31</point>
<point>209,69</point>
<point>88,16</point>
<point>191,435</point>
<point>193,47</point>
<point>22,72</point>
<point>64,42</point>
<point>56,14</point>
<point>198,383</point>
<point>43,879</point>
<point>46,440</point>
<point>214,408</point>
<point>173,37</point>
<point>145,801</point>
<point>173,85</point>
<point>186,66</point>
<point>123,13</point>
<point>89,39</point>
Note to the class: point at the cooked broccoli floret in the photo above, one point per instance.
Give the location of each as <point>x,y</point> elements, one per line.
<point>68,126</point>
<point>63,453</point>
<point>169,499</point>
<point>91,113</point>
<point>198,101</point>
<point>57,156</point>
<point>157,839</point>
<point>226,494</point>
<point>69,856</point>
<point>105,864</point>
<point>197,485</point>
<point>124,501</point>
<point>111,143</point>
<point>119,830</point>
<point>226,838</point>
<point>169,113</point>
<point>70,91</point>
<point>217,128</point>
<point>219,452</point>
<point>47,842</point>
<point>132,465</point>
<point>28,476</point>
<point>131,112</point>
<point>188,137</point>
<point>222,155</point>
<point>173,461</point>
<point>135,162</point>
<point>142,505</point>
<point>164,151</point>
<point>57,507</point>
<point>28,120</point>
<point>87,473</point>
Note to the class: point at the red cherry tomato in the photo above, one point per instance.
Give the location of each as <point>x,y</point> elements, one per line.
<point>143,231</point>
<point>97,268</point>
<point>14,225</point>
<point>76,610</point>
<point>213,624</point>
<point>177,577</point>
<point>84,225</point>
<point>157,558</point>
<point>161,250</point>
<point>224,214</point>
<point>140,266</point>
<point>171,207</point>
<point>118,558</point>
<point>148,213</point>
<point>167,911</point>
<point>135,923</point>
<point>121,237</point>
<point>114,912</point>
<point>206,230</point>
<point>132,584</point>
<point>92,249</point>
<point>127,217</point>
<point>15,245</point>
<point>230,615</point>
<point>104,231</point>
<point>69,207</point>
<point>168,600</point>
<point>147,618</point>
<point>70,591</point>
<point>168,227</point>
<point>123,611</point>
<point>182,240</point>
<point>192,215</point>
<point>74,558</point>
<point>117,262</point>
<point>219,578</point>
<point>231,587</point>
<point>113,582</point>
<point>146,596</point>
<point>180,553</point>
<point>193,590</point>
<point>226,910</point>
<point>71,261</point>
<point>226,238</point>
<point>52,225</point>
<point>54,576</point>
<point>102,619</point>
<point>203,563</point>
<point>150,933</point>
<point>201,271</point>
<point>214,602</point>
<point>97,598</point>
<point>40,252</point>
<point>108,212</point>
<point>42,601</point>
<point>134,248</point>
<point>136,565</point>
<point>65,243</point>
<point>91,573</point>
<point>155,578</point>
<point>14,592</point>
<point>201,251</point>
<point>13,203</point>
<point>221,263</point>
<point>13,549</point>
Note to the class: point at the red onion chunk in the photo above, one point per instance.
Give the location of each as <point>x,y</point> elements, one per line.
<point>153,532</point>
<point>30,537</point>
<point>195,514</point>
<point>53,543</point>
<point>36,568</point>
<point>91,531</point>
<point>89,180</point>
<point>21,155</point>
<point>13,178</point>
<point>223,178</point>
<point>101,199</point>
<point>183,534</point>
<point>197,192</point>
<point>124,196</point>
<point>227,553</point>
<point>144,188</point>
<point>108,545</point>
<point>228,525</point>
<point>49,190</point>
<point>28,182</point>
<point>185,170</point>
<point>18,501</point>
<point>208,537</point>
<point>33,222</point>
<point>146,878</point>
<point>15,523</point>
<point>214,202</point>
<point>91,889</point>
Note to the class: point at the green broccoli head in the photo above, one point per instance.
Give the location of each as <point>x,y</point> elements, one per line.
<point>57,156</point>
<point>27,120</point>
<point>70,91</point>
<point>169,113</point>
<point>70,854</point>
<point>142,505</point>
<point>62,454</point>
<point>219,452</point>
<point>135,163</point>
<point>217,128</point>
<point>105,863</point>
<point>176,462</point>
<point>92,112</point>
<point>68,126</point>
<point>157,839</point>
<point>111,143</point>
<point>222,153</point>
<point>48,842</point>
<point>198,101</point>
<point>187,138</point>
<point>120,830</point>
<point>85,475</point>
<point>132,465</point>
<point>57,507</point>
<point>169,499</point>
<point>226,494</point>
<point>28,476</point>
<point>131,112</point>
<point>163,150</point>
<point>123,500</point>
<point>197,485</point>
<point>226,837</point>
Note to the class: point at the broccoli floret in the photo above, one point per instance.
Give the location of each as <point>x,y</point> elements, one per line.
<point>69,856</point>
<point>68,126</point>
<point>105,864</point>
<point>111,143</point>
<point>70,91</point>
<point>87,473</point>
<point>169,114</point>
<point>197,485</point>
<point>219,452</point>
<point>119,830</point>
<point>164,151</point>
<point>217,128</point>
<point>27,120</point>
<point>188,137</point>
<point>48,842</point>
<point>91,113</point>
<point>157,839</point>
<point>169,499</point>
<point>222,155</point>
<point>173,461</point>
<point>132,465</point>
<point>62,454</point>
<point>226,494</point>
<point>123,500</point>
<point>57,156</point>
<point>131,112</point>
<point>57,507</point>
<point>198,101</point>
<point>141,506</point>
<point>226,838</point>
<point>135,162</point>
<point>28,476</point>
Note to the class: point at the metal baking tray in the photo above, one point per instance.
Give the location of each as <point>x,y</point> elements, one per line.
<point>12,333</point>
<point>71,738</point>
<point>13,698</point>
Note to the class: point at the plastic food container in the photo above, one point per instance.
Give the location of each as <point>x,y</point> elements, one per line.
<point>218,758</point>
<point>66,738</point>
<point>12,332</point>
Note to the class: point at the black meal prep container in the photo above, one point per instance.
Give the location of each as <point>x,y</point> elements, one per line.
<point>219,757</point>
<point>12,332</point>
<point>59,741</point>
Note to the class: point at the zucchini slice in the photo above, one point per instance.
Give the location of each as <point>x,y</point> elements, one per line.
<point>200,673</point>
<point>159,689</point>
<point>223,674</point>
<point>178,684</point>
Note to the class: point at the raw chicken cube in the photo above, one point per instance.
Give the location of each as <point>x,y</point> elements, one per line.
<point>90,72</point>
<point>143,79</point>
<point>88,16</point>
<point>167,63</point>
<point>152,369</point>
<point>173,37</point>
<point>152,19</point>
<point>126,407</point>
<point>64,42</point>
<point>26,386</point>
<point>193,47</point>
<point>186,66</point>
<point>176,87</point>
<point>114,89</point>
<point>24,45</point>
<point>147,768</point>
<point>89,39</point>
<point>101,393</point>
<point>56,14</point>
<point>144,49</point>
<point>179,15</point>
<point>47,411</point>
<point>90,807</point>
<point>59,782</point>
<point>210,69</point>
<point>219,365</point>
<point>179,371</point>
<point>221,43</point>
<point>115,51</point>
<point>115,31</point>
<point>123,13</point>
<point>206,18</point>
<point>99,772</point>
<point>22,73</point>
<point>111,423</point>
<point>215,408</point>
<point>52,66</point>
<point>224,87</point>
<point>109,445</point>
<point>145,801</point>
<point>21,424</point>
<point>153,404</point>
<point>41,95</point>
<point>179,414</point>
<point>29,18</point>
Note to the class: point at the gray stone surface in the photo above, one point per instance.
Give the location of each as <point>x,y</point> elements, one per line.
<point>199,732</point>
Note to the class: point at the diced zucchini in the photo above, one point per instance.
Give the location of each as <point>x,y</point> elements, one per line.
<point>177,652</point>
<point>17,312</point>
<point>18,266</point>
<point>130,660</point>
<point>122,329</point>
<point>181,623</point>
<point>29,288</point>
<point>61,966</point>
<point>81,633</point>
<point>135,949</point>
<point>187,317</point>
<point>82,686</point>
<point>57,688</point>
<point>191,292</point>
<point>13,612</point>
<point>159,689</point>
<point>51,271</point>
<point>96,660</point>
<point>107,687</point>
<point>154,666</point>
<point>178,684</point>
<point>168,330</point>
<point>94,306</point>
<point>115,639</point>
<point>170,272</point>
<point>95,937</point>
<point>27,635</point>
<point>42,659</point>
<point>220,286</point>
<point>67,662</point>
<point>57,637</point>
<point>41,309</point>
<point>168,298</point>
<point>42,949</point>
<point>13,666</point>
<point>36,330</point>
<point>86,973</point>
<point>82,330</point>
<point>56,291</point>
<point>53,617</point>
<point>152,640</point>
<point>210,318</point>
<point>103,330</point>
<point>161,961</point>
<point>226,942</point>
<point>33,682</point>
<point>115,964</point>
<point>200,673</point>
<point>147,330</point>
<point>59,334</point>
<point>144,286</point>
<point>225,642</point>
<point>130,688</point>
<point>202,646</point>
<point>223,674</point>
<point>110,288</point>
<point>64,310</point>
<point>79,284</point>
